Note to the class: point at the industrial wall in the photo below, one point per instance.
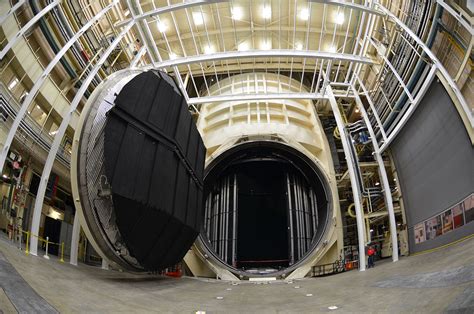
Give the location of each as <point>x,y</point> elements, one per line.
<point>435,164</point>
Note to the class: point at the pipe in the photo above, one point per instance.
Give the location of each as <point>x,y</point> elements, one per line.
<point>51,41</point>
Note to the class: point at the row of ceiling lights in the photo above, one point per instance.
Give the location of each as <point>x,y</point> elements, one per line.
<point>237,14</point>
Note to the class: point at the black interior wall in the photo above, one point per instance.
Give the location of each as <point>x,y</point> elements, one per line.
<point>435,164</point>
<point>262,232</point>
<point>52,230</point>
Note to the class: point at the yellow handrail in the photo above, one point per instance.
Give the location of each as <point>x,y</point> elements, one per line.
<point>27,251</point>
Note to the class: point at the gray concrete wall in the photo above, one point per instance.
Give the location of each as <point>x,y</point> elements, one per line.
<point>435,164</point>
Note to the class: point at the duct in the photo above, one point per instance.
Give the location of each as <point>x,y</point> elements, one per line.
<point>67,32</point>
<point>51,41</point>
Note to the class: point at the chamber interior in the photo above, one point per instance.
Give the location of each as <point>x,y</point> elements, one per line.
<point>266,208</point>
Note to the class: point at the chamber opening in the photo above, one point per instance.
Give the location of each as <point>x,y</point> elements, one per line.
<point>266,208</point>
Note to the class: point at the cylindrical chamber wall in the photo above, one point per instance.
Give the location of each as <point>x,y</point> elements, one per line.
<point>266,207</point>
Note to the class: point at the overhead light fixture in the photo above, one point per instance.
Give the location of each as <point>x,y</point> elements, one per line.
<point>377,183</point>
<point>357,110</point>
<point>371,230</point>
<point>5,176</point>
<point>162,27</point>
<point>209,49</point>
<point>13,84</point>
<point>126,13</point>
<point>266,44</point>
<point>340,18</point>
<point>38,107</point>
<point>198,18</point>
<point>304,14</point>
<point>173,56</point>
<point>53,132</point>
<point>267,12</point>
<point>243,46</point>
<point>299,46</point>
<point>237,13</point>
<point>332,49</point>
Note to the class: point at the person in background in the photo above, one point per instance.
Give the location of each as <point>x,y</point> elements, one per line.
<point>371,253</point>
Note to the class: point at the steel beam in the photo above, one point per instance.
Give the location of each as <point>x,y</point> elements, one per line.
<point>254,97</point>
<point>394,71</point>
<point>60,134</point>
<point>137,57</point>
<point>11,11</point>
<point>76,229</point>
<point>169,8</point>
<point>351,169</point>
<point>382,174</point>
<point>411,110</point>
<point>372,107</point>
<point>36,87</point>
<point>350,5</point>
<point>274,53</point>
<point>25,28</point>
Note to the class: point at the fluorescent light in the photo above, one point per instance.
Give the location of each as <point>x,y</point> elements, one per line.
<point>377,183</point>
<point>198,18</point>
<point>304,14</point>
<point>237,13</point>
<point>53,132</point>
<point>371,230</point>
<point>38,107</point>
<point>266,44</point>
<point>126,13</point>
<point>173,55</point>
<point>162,27</point>
<point>339,18</point>
<point>332,49</point>
<point>13,84</point>
<point>267,12</point>
<point>209,49</point>
<point>299,46</point>
<point>243,46</point>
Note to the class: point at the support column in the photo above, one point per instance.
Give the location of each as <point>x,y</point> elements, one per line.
<point>76,228</point>
<point>352,176</point>
<point>105,264</point>
<point>383,176</point>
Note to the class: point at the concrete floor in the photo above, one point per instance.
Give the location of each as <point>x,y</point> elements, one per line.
<point>441,281</point>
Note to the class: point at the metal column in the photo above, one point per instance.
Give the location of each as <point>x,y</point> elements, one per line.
<point>382,174</point>
<point>352,176</point>
<point>76,228</point>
